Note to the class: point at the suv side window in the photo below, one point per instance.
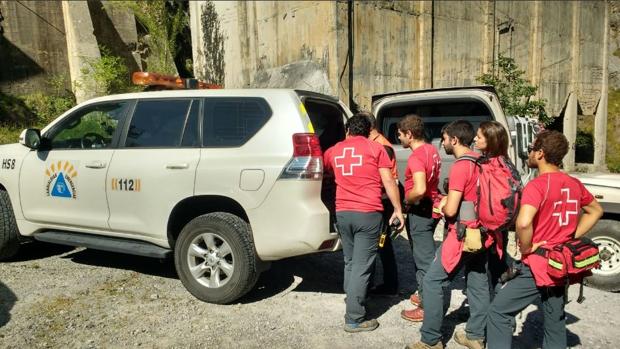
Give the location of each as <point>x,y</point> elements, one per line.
<point>163,124</point>
<point>92,127</point>
<point>232,121</point>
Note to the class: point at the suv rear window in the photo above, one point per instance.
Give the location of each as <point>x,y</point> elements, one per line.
<point>162,123</point>
<point>232,121</point>
<point>435,115</point>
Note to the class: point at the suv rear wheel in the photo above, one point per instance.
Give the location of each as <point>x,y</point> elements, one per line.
<point>9,236</point>
<point>606,233</point>
<point>215,259</point>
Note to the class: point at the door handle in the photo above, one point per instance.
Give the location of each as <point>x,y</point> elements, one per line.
<point>95,164</point>
<point>177,166</point>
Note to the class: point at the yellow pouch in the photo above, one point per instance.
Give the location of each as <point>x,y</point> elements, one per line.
<point>473,240</point>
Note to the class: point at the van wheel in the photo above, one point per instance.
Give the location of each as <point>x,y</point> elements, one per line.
<point>606,233</point>
<point>215,259</point>
<point>9,235</point>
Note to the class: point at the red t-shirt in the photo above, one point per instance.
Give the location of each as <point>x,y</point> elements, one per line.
<point>425,159</point>
<point>558,198</point>
<point>463,177</point>
<point>355,163</point>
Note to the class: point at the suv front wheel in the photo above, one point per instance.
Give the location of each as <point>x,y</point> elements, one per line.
<point>215,259</point>
<point>9,235</point>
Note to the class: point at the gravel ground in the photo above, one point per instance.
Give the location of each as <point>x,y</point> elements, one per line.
<point>60,297</point>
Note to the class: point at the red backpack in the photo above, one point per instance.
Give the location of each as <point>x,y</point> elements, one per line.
<point>499,192</point>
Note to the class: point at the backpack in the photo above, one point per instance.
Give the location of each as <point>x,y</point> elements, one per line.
<point>499,192</point>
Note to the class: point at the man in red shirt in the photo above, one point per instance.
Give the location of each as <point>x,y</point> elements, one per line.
<point>549,215</point>
<point>386,253</point>
<point>457,207</point>
<point>421,192</point>
<point>361,168</point>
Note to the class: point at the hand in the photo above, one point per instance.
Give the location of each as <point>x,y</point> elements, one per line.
<point>442,203</point>
<point>525,250</point>
<point>401,218</point>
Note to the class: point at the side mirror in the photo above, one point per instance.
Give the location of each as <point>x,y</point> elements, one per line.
<point>30,138</point>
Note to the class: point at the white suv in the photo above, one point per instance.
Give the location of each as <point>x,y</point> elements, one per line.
<point>222,179</point>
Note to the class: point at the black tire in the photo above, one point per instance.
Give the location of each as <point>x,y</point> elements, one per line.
<point>9,235</point>
<point>227,229</point>
<point>607,234</point>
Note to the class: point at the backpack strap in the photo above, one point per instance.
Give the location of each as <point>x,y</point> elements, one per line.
<point>468,158</point>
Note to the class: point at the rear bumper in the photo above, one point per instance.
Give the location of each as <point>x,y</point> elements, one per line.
<point>292,221</point>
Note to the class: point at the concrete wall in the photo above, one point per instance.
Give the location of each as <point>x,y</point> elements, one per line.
<point>43,39</point>
<point>33,45</point>
<point>418,45</point>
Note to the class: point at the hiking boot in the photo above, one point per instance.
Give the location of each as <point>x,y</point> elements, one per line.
<point>368,325</point>
<point>413,315</point>
<point>461,338</point>
<point>422,345</point>
<point>384,290</point>
<point>415,300</point>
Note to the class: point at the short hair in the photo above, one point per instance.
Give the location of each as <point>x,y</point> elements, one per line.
<point>461,129</point>
<point>414,124</point>
<point>496,137</point>
<point>553,144</point>
<point>358,125</point>
<point>371,118</point>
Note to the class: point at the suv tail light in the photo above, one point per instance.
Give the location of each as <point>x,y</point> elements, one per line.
<point>307,161</point>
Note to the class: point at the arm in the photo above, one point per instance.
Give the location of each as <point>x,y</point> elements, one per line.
<point>419,188</point>
<point>592,213</point>
<point>392,192</point>
<point>451,208</point>
<point>525,229</point>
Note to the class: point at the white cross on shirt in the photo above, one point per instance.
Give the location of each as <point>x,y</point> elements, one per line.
<point>347,161</point>
<point>562,221</point>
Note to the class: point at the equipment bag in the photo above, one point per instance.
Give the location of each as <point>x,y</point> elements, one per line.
<point>573,259</point>
<point>499,192</point>
<point>570,262</point>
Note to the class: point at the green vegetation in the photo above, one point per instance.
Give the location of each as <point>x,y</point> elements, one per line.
<point>163,22</point>
<point>613,131</point>
<point>108,74</point>
<point>33,110</point>
<point>515,92</point>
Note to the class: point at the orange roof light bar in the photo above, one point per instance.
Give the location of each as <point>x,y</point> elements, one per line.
<point>169,81</point>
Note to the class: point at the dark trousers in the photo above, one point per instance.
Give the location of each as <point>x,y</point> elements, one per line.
<point>386,253</point>
<point>516,295</point>
<point>497,266</point>
<point>421,229</point>
<point>437,279</point>
<point>359,233</point>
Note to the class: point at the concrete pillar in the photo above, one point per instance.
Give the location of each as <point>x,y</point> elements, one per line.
<point>195,11</point>
<point>81,47</point>
<point>570,131</point>
<point>600,119</point>
<point>536,44</point>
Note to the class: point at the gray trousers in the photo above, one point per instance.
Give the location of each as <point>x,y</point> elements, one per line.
<point>359,233</point>
<point>422,228</point>
<point>516,295</point>
<point>437,279</point>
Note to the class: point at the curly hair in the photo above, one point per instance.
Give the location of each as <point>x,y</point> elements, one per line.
<point>553,144</point>
<point>414,124</point>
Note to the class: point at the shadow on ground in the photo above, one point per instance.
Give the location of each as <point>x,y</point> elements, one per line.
<point>7,300</point>
<point>143,265</point>
<point>38,250</point>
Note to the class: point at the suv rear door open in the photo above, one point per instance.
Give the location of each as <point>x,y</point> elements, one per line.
<point>328,116</point>
<point>437,107</point>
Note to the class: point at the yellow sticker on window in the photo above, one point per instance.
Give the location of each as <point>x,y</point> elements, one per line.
<point>303,111</point>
